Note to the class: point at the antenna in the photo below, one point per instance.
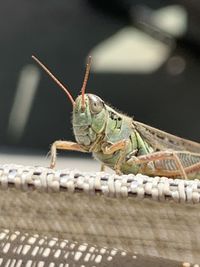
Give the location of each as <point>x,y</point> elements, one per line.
<point>87,72</point>
<point>55,79</point>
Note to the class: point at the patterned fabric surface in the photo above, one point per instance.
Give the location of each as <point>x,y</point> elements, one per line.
<point>30,250</point>
<point>151,216</point>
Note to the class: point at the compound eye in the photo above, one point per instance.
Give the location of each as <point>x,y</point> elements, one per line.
<point>96,104</point>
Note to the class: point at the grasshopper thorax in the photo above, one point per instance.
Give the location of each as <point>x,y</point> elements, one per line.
<point>89,122</point>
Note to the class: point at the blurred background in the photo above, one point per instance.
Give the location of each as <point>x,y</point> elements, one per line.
<point>146,63</point>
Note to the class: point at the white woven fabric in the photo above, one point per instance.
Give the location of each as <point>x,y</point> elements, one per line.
<point>141,186</point>
<point>152,216</point>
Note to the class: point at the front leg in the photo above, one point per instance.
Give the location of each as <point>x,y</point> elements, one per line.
<point>63,145</point>
<point>102,169</point>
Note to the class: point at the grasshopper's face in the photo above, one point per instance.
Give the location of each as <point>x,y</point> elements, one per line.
<point>88,120</point>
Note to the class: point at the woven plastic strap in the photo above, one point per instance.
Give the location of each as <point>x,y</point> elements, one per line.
<point>152,216</point>
<point>141,186</point>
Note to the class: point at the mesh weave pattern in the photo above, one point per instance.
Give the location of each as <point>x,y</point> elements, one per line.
<point>153,216</point>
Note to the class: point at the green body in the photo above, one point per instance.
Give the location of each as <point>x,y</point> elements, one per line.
<point>121,128</point>
<point>92,131</point>
<point>97,126</point>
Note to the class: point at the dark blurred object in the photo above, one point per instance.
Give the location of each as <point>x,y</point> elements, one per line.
<point>62,34</point>
<point>193,32</point>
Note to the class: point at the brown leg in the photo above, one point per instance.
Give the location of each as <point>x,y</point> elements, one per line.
<point>161,155</point>
<point>102,168</point>
<point>63,145</point>
<point>110,149</point>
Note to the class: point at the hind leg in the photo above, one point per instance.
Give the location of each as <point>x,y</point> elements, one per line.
<point>161,155</point>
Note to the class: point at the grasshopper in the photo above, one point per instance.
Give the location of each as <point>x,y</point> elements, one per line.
<point>123,144</point>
